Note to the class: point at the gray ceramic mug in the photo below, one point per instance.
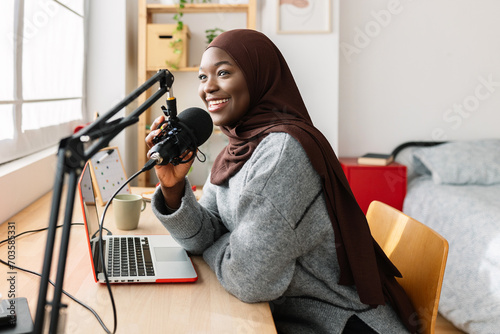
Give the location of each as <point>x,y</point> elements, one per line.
<point>127,210</point>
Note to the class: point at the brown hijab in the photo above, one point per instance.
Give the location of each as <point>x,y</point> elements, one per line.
<point>277,106</point>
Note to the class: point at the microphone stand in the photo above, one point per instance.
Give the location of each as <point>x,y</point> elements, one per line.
<point>72,156</point>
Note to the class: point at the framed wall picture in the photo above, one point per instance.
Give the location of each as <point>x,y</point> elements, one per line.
<point>304,16</point>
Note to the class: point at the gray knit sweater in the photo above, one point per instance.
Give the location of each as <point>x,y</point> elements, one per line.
<point>268,237</point>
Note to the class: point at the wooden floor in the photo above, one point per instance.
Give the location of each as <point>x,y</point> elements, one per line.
<point>443,326</point>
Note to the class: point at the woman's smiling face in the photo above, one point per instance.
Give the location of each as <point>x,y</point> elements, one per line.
<point>223,87</point>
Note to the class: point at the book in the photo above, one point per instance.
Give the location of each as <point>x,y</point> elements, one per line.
<point>376,159</point>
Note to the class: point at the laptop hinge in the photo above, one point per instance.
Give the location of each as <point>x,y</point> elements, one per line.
<point>97,256</point>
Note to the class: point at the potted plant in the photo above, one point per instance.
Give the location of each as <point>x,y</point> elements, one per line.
<point>176,43</point>
<point>210,34</point>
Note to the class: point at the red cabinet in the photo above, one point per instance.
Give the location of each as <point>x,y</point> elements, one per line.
<point>382,183</point>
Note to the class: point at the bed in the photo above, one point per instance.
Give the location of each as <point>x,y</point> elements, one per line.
<point>454,188</point>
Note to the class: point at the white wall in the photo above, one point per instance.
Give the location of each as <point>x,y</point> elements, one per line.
<point>25,180</point>
<point>417,70</point>
<point>313,59</point>
<point>107,66</point>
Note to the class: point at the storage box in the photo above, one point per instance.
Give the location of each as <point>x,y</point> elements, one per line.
<point>162,49</point>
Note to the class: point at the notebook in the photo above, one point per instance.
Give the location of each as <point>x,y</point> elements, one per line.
<point>131,258</point>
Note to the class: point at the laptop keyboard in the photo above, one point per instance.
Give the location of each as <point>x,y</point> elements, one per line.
<point>129,256</point>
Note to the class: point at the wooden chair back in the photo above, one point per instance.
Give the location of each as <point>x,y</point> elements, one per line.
<point>418,252</point>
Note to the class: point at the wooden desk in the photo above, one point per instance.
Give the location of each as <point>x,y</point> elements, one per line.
<point>200,307</point>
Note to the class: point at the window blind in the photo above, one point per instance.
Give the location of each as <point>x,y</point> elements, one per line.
<point>42,55</point>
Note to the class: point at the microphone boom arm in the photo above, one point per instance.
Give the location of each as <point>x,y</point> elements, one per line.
<point>71,159</point>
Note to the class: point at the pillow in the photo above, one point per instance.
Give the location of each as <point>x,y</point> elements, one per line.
<point>467,162</point>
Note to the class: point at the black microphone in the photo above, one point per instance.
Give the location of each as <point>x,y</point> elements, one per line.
<point>189,130</point>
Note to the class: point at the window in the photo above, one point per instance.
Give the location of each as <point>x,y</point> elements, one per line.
<point>42,65</point>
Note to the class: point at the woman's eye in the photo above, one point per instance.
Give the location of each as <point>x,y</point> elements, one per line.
<point>223,73</point>
<point>202,76</point>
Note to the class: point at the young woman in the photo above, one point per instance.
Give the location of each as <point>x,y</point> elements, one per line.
<point>277,221</point>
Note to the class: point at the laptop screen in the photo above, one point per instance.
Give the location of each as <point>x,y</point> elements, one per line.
<point>89,208</point>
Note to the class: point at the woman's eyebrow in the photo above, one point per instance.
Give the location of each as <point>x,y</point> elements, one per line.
<point>219,63</point>
<point>222,62</point>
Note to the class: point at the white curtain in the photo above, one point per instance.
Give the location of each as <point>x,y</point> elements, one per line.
<point>42,56</point>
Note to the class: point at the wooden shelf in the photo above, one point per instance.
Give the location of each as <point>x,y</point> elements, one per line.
<point>198,8</point>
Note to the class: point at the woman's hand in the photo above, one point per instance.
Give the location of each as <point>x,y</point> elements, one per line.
<point>172,178</point>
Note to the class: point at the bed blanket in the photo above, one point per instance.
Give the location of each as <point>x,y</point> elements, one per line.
<point>468,216</point>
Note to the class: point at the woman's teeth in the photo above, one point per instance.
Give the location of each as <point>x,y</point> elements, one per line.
<point>215,102</point>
